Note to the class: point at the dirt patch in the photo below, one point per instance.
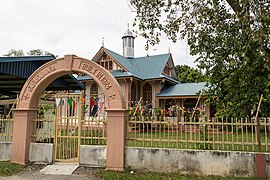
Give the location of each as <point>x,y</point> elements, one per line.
<point>87,171</point>
<point>34,167</point>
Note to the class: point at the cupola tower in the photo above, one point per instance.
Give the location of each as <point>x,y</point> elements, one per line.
<point>128,44</point>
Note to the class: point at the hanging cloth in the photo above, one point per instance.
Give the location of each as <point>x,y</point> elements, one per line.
<point>74,104</point>
<point>70,101</point>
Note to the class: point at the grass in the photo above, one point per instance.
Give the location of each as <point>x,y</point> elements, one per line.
<point>145,175</point>
<point>8,168</point>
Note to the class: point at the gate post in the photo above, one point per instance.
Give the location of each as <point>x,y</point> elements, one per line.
<point>22,134</point>
<point>116,140</point>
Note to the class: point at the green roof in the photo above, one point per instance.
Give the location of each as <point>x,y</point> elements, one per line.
<point>148,67</point>
<point>182,89</point>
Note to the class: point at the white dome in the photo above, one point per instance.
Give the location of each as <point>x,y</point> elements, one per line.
<point>128,33</point>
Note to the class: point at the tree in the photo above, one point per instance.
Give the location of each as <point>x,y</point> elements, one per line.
<point>187,74</point>
<point>38,52</point>
<point>14,52</point>
<point>230,37</point>
<point>35,52</point>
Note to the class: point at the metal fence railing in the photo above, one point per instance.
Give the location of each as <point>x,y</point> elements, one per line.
<point>44,130</point>
<point>216,134</point>
<point>94,131</point>
<point>165,132</point>
<point>6,129</point>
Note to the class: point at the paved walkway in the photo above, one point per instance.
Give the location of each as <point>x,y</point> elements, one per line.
<point>59,169</point>
<point>54,172</point>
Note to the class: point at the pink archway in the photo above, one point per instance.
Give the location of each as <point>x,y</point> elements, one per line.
<point>37,83</point>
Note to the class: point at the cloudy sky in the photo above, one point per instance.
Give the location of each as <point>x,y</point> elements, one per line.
<point>75,27</point>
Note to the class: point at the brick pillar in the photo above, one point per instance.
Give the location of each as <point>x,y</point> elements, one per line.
<point>116,140</point>
<point>22,134</point>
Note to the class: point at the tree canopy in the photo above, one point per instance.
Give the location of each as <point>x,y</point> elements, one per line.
<point>14,52</point>
<point>230,37</point>
<point>34,52</point>
<point>187,74</point>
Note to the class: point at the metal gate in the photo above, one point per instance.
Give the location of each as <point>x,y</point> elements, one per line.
<point>67,127</point>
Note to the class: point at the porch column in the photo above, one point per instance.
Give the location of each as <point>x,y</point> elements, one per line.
<point>116,140</point>
<point>157,103</point>
<point>182,107</point>
<point>22,134</point>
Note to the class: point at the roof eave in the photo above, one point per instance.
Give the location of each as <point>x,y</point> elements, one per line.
<point>121,77</point>
<point>162,78</point>
<point>178,96</point>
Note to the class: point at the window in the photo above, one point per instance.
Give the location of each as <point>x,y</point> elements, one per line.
<point>129,42</point>
<point>94,90</point>
<point>147,93</point>
<point>126,42</point>
<point>110,65</point>
<point>102,64</point>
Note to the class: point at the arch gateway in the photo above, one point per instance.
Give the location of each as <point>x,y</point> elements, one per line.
<point>37,83</point>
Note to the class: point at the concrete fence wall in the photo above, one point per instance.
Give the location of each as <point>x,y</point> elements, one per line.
<point>156,159</point>
<point>183,161</point>
<point>94,156</point>
<point>187,161</point>
<point>5,151</point>
<point>41,153</point>
<point>38,152</point>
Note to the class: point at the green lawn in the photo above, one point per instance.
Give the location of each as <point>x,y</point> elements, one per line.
<point>8,168</point>
<point>127,175</point>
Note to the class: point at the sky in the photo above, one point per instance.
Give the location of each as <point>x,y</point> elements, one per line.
<point>76,27</point>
